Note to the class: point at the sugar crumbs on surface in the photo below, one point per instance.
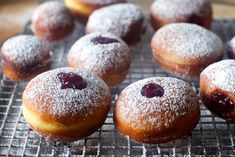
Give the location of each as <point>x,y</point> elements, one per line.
<point>24,49</point>
<point>175,9</point>
<point>178,99</point>
<point>45,89</point>
<point>222,74</point>
<point>115,19</point>
<point>188,40</point>
<point>101,57</point>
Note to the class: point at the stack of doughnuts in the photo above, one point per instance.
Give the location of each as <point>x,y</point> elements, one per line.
<point>68,104</point>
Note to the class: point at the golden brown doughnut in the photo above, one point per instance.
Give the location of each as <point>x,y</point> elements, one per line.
<point>186,49</point>
<point>164,12</point>
<point>104,54</point>
<point>157,110</point>
<point>217,88</point>
<point>25,56</point>
<point>66,104</point>
<point>83,8</point>
<point>52,21</point>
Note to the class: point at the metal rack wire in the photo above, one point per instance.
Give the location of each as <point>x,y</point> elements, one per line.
<point>211,137</point>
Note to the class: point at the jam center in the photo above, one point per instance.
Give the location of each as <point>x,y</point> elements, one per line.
<point>221,103</point>
<point>71,80</point>
<point>103,40</point>
<point>152,90</point>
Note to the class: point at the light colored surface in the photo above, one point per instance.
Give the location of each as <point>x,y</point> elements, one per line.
<point>15,13</point>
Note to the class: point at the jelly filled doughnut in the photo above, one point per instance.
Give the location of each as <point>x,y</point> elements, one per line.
<point>123,20</point>
<point>66,104</point>
<point>104,54</point>
<point>25,56</point>
<point>83,8</point>
<point>186,49</point>
<point>52,21</point>
<point>164,12</point>
<point>157,110</point>
<point>217,88</point>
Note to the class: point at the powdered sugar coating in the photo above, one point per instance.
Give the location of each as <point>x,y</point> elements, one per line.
<point>115,19</point>
<point>174,10</point>
<point>222,74</point>
<point>45,89</point>
<point>188,40</point>
<point>103,2</point>
<point>179,99</point>
<point>100,57</point>
<point>52,15</point>
<point>23,50</point>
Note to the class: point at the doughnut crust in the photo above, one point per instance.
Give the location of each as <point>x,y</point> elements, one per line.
<point>186,49</point>
<point>25,56</point>
<point>52,21</point>
<point>157,119</point>
<point>110,61</point>
<point>123,20</point>
<point>65,114</point>
<point>217,88</point>
<point>83,8</point>
<point>164,12</point>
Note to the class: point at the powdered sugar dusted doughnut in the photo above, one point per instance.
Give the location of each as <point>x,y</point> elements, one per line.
<point>123,20</point>
<point>173,11</point>
<point>24,56</point>
<point>186,49</point>
<point>66,104</point>
<point>156,110</point>
<point>231,48</point>
<point>83,8</point>
<point>217,85</point>
<point>104,54</point>
<point>52,21</point>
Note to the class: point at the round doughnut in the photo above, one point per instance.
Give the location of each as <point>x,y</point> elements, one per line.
<point>231,48</point>
<point>123,20</point>
<point>52,21</point>
<point>66,104</point>
<point>83,8</point>
<point>164,12</point>
<point>186,49</point>
<point>156,110</point>
<point>104,54</point>
<point>217,88</point>
<point>24,56</point>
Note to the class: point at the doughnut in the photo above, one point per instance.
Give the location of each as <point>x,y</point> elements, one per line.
<point>83,8</point>
<point>123,20</point>
<point>104,54</point>
<point>52,21</point>
<point>163,12</point>
<point>24,56</point>
<point>231,48</point>
<point>156,110</point>
<point>217,88</point>
<point>66,104</point>
<point>186,49</point>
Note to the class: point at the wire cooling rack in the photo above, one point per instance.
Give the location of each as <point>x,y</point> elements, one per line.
<point>211,137</point>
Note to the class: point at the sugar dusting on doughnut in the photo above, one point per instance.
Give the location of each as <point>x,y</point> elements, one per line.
<point>115,19</point>
<point>178,99</point>
<point>222,74</point>
<point>65,102</point>
<point>174,9</point>
<point>188,40</point>
<point>24,49</point>
<point>102,57</point>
